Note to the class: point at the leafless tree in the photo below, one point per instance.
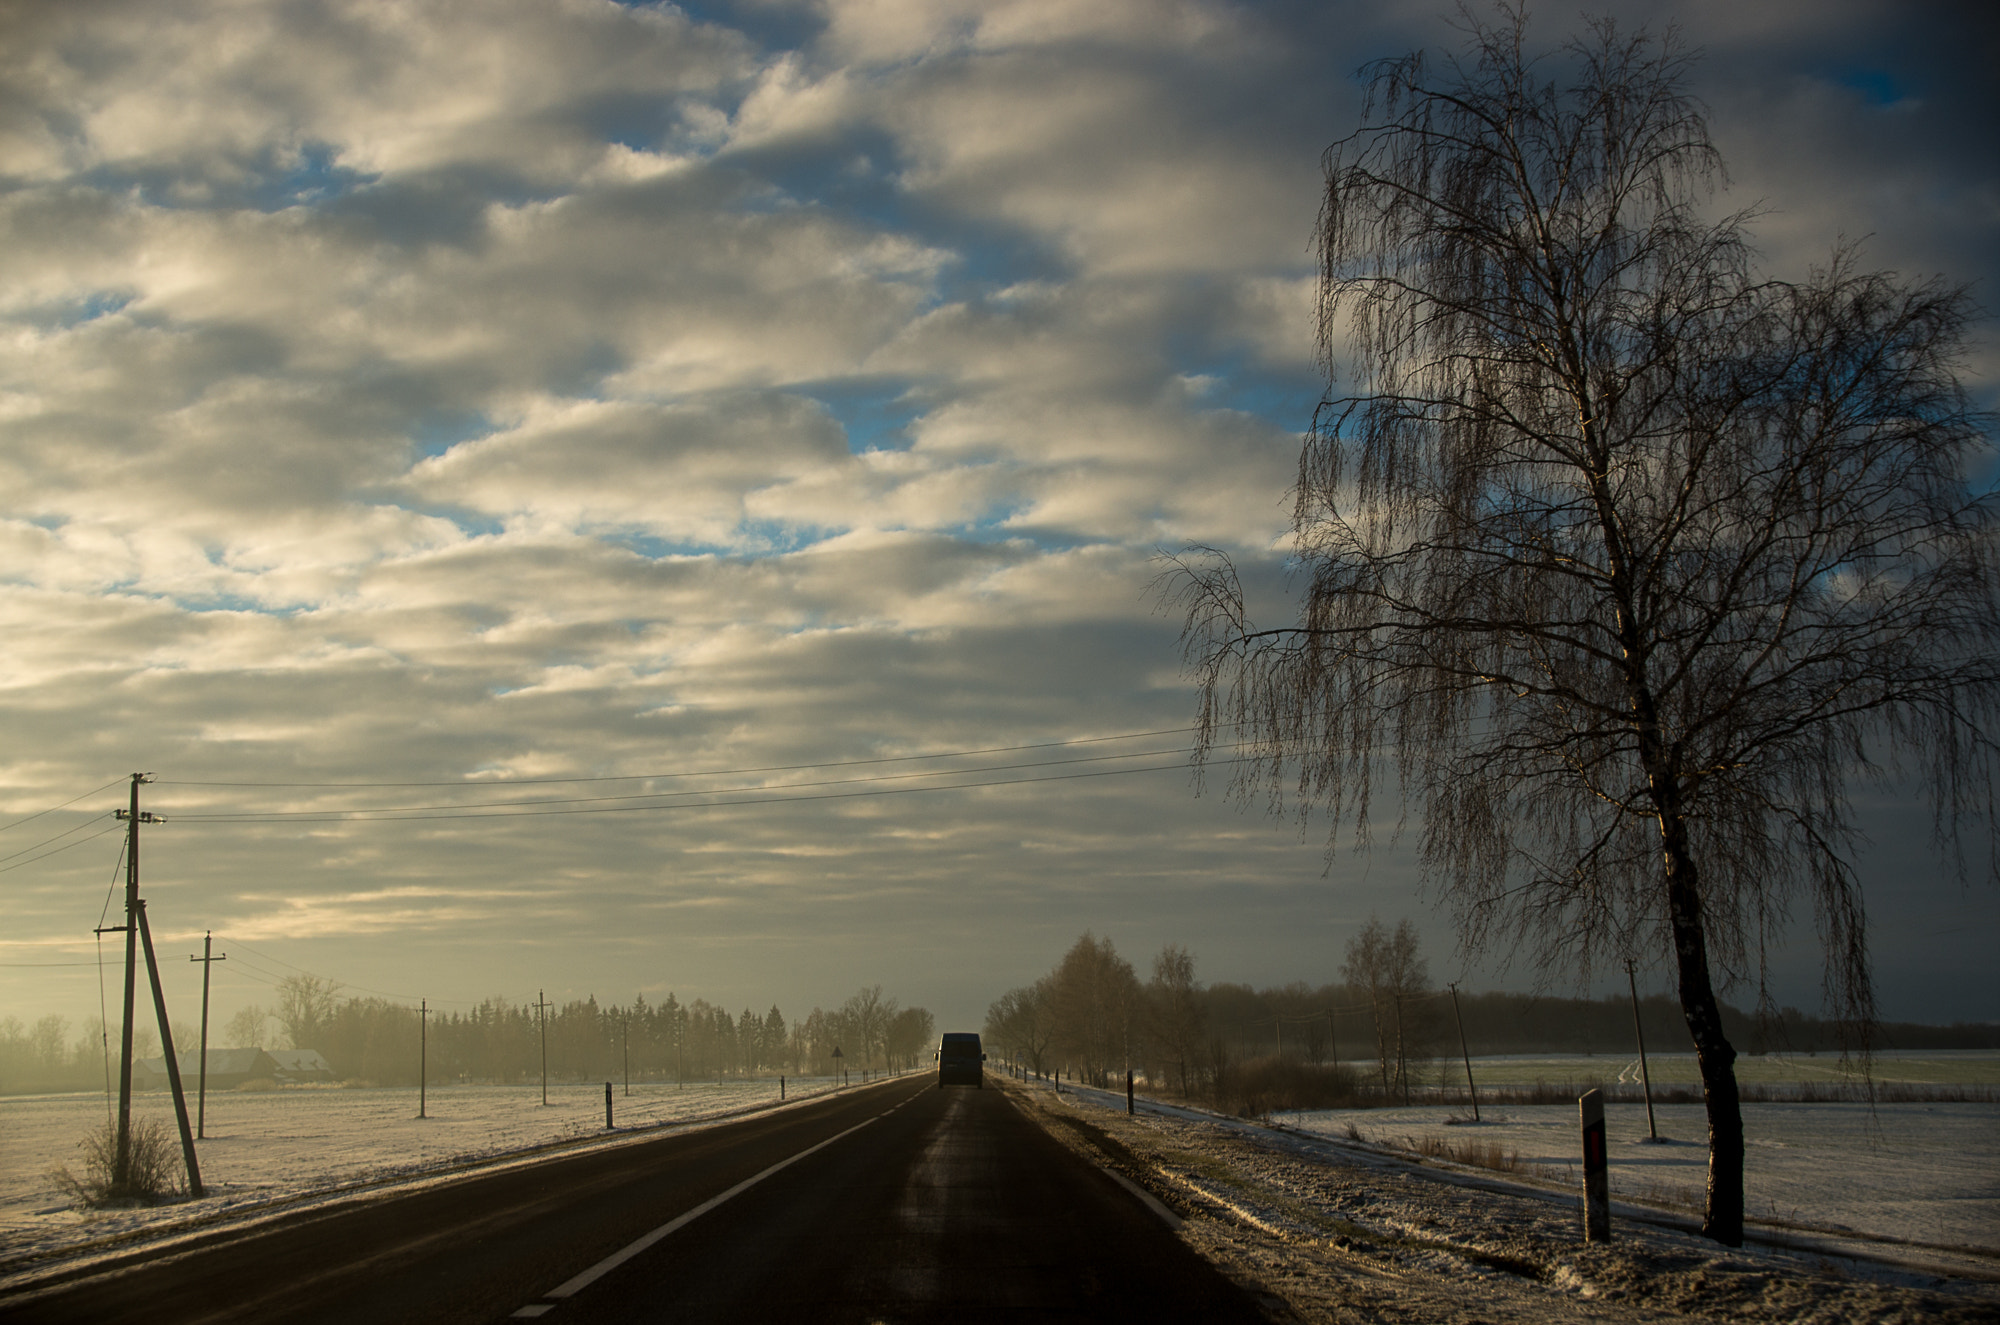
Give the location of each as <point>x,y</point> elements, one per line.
<point>912,1032</point>
<point>1388,966</point>
<point>1020,1023</point>
<point>1627,562</point>
<point>1094,999</point>
<point>306,1004</point>
<point>868,1015</point>
<point>1175,1010</point>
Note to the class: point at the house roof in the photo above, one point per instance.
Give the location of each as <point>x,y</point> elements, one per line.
<point>300,1060</point>
<point>221,1063</point>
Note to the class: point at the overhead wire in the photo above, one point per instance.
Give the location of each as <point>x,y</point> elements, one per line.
<point>66,804</point>
<point>237,945</point>
<point>103,1013</point>
<point>110,828</point>
<point>67,832</point>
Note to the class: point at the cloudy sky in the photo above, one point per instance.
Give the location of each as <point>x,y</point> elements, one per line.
<point>683,482</point>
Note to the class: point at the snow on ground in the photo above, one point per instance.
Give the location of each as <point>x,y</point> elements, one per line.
<point>1781,1072</point>
<point>1921,1172</point>
<point>274,1146</point>
<point>1333,1231</point>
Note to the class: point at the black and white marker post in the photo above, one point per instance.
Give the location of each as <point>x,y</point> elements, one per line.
<point>1596,1170</point>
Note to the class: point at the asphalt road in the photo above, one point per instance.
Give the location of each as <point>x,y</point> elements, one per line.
<point>893,1203</point>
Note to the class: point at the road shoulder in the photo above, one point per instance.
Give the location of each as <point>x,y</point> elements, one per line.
<point>1326,1238</point>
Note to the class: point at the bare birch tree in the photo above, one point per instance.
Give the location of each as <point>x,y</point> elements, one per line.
<point>1093,999</point>
<point>1626,561</point>
<point>1021,1023</point>
<point>1389,967</point>
<point>1176,1014</point>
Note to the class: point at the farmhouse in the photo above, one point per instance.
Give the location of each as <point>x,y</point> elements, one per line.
<point>296,1065</point>
<point>228,1068</point>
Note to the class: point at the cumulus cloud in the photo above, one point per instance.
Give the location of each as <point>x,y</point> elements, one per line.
<point>431,394</point>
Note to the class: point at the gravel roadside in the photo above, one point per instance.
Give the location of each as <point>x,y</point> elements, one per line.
<point>1339,1233</point>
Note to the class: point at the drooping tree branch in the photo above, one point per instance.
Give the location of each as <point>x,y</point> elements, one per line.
<point>1625,561</point>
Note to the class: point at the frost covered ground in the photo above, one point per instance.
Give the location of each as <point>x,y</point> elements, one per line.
<point>270,1147</point>
<point>1893,1220</point>
<point>1921,1172</point>
<point>1775,1072</point>
<point>1335,1231</point>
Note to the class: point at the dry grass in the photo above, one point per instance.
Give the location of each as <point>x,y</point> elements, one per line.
<point>154,1167</point>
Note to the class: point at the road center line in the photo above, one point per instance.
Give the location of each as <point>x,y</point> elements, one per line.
<point>617,1258</point>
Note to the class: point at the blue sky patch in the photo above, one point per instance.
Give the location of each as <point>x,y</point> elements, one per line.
<point>312,179</point>
<point>437,431</point>
<point>876,415</point>
<point>1879,86</point>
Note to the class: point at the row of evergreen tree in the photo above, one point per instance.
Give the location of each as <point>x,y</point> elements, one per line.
<point>501,1040</point>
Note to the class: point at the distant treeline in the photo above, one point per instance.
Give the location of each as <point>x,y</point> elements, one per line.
<point>1500,1023</point>
<point>375,1040</point>
<point>1367,1038</point>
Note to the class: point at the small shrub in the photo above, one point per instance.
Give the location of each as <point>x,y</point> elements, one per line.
<point>1260,1086</point>
<point>154,1167</point>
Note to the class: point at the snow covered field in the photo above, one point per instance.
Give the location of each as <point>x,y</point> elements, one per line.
<point>1320,1224</point>
<point>1922,1172</point>
<point>281,1143</point>
<point>1341,1232</point>
<point>1896,1068</point>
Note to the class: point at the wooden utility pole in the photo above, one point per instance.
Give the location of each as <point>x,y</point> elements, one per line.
<point>542,1006</point>
<point>173,1060</point>
<point>136,933</point>
<point>1645,1074</point>
<point>201,1096</point>
<point>423,1054</point>
<point>121,1166</point>
<point>1464,1053</point>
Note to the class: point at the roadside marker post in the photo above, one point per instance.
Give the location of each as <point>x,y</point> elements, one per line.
<point>1128,1090</point>
<point>607,1106</point>
<point>1596,1169</point>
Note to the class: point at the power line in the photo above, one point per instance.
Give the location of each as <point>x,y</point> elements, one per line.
<point>113,828</point>
<point>233,941</point>
<point>53,808</point>
<point>713,772</point>
<point>67,832</point>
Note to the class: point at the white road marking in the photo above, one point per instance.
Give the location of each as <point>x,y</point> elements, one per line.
<point>1152,1202</point>
<point>617,1258</point>
<point>535,1309</point>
